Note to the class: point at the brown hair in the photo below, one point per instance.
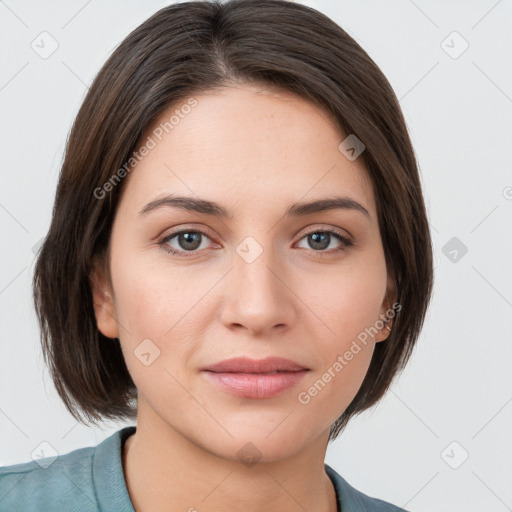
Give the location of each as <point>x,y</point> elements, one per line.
<point>189,48</point>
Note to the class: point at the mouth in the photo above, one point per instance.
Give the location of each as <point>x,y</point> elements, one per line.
<point>270,365</point>
<point>251,378</point>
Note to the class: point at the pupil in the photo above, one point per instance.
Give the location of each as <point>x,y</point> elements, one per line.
<point>316,241</point>
<point>188,238</point>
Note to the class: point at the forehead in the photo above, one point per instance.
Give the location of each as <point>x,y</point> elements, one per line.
<point>248,145</point>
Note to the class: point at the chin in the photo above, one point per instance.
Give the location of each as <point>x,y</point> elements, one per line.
<point>252,443</point>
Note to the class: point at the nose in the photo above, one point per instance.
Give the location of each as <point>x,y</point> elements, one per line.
<point>257,297</point>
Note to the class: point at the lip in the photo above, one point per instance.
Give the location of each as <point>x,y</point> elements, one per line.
<point>251,378</point>
<point>247,365</point>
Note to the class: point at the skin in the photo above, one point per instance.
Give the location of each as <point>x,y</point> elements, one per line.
<point>254,150</point>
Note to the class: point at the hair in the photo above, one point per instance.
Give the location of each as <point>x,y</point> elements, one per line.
<point>189,48</point>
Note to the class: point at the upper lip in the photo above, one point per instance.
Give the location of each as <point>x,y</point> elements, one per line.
<point>247,365</point>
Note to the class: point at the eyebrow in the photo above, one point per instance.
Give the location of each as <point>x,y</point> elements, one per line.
<point>206,207</point>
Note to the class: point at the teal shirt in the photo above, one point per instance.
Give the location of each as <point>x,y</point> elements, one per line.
<point>92,480</point>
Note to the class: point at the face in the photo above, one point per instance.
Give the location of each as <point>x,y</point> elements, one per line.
<point>193,288</point>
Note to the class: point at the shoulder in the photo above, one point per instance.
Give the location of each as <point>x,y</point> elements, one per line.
<point>352,500</point>
<point>84,480</point>
<point>49,482</point>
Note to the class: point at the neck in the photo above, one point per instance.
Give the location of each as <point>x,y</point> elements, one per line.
<point>165,471</point>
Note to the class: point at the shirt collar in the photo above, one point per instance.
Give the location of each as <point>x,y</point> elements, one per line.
<point>108,475</point>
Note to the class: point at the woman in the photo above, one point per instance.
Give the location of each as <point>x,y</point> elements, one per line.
<point>239,258</point>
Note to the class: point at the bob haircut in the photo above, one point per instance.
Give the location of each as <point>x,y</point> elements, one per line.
<point>189,48</point>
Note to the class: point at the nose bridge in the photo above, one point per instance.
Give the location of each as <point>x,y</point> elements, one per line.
<point>257,297</point>
<point>253,264</point>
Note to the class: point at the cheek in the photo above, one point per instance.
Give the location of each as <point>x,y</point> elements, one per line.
<point>347,300</point>
<point>327,393</point>
<point>145,310</point>
<point>348,303</point>
<point>162,305</point>
<point>150,312</point>
<point>152,299</point>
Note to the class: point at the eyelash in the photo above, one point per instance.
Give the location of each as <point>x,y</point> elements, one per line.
<point>345,242</point>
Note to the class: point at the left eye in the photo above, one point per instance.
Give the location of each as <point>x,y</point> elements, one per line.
<point>320,240</point>
<point>190,241</point>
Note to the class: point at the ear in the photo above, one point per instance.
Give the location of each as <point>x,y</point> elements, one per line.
<point>103,301</point>
<point>387,304</point>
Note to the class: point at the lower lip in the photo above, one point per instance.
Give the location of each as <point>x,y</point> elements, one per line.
<point>256,385</point>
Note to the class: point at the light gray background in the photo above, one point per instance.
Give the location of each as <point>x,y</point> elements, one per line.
<point>458,386</point>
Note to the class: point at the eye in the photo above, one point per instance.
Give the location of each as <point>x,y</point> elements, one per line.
<point>189,240</point>
<point>320,240</point>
